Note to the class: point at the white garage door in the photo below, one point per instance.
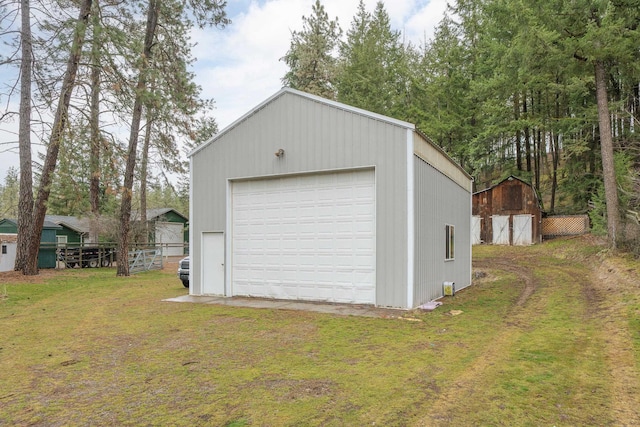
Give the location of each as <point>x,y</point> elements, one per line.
<point>306,237</point>
<point>171,236</point>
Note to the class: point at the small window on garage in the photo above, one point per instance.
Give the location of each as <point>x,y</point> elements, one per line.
<point>449,241</point>
<point>4,249</point>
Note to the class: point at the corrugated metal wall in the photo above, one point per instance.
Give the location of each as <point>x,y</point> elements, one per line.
<point>439,201</point>
<point>315,137</point>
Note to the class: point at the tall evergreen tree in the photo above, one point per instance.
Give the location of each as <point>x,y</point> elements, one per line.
<point>373,64</point>
<point>24,139</point>
<point>30,266</point>
<point>604,34</point>
<point>171,14</point>
<point>311,56</point>
<point>441,98</point>
<point>9,194</point>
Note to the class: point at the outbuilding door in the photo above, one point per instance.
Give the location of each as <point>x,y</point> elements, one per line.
<point>522,230</point>
<point>476,227</point>
<point>212,263</point>
<point>171,236</point>
<point>306,237</point>
<point>500,225</point>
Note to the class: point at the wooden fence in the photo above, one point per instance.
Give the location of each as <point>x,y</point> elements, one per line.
<point>565,225</point>
<point>93,255</point>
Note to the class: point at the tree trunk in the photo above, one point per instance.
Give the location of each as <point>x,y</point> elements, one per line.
<point>94,154</point>
<point>606,148</point>
<point>59,123</point>
<point>538,156</point>
<point>527,140</point>
<point>125,208</point>
<point>554,137</point>
<point>516,116</point>
<point>555,155</point>
<point>143,178</point>
<point>25,199</point>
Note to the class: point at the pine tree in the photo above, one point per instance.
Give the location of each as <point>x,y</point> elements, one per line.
<point>9,194</point>
<point>30,266</point>
<point>373,64</point>
<point>311,56</point>
<point>24,140</point>
<point>441,97</point>
<point>171,15</point>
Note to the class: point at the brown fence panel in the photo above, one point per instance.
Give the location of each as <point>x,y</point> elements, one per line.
<point>565,225</point>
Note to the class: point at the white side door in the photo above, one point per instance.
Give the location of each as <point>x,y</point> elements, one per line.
<point>522,230</point>
<point>212,263</point>
<point>500,224</point>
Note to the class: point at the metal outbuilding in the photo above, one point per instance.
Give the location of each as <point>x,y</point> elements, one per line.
<point>8,250</point>
<point>304,198</point>
<point>166,228</point>
<point>47,256</point>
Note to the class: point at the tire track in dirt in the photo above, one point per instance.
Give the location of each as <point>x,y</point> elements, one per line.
<point>603,287</point>
<point>465,384</point>
<point>609,283</point>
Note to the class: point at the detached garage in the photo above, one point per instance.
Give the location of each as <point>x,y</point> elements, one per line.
<point>308,199</point>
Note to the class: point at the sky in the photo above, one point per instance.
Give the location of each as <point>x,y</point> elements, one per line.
<point>239,66</point>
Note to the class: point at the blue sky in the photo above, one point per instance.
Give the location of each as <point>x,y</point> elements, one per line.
<point>239,66</point>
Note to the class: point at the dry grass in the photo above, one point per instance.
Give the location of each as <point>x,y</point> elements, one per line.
<point>549,336</point>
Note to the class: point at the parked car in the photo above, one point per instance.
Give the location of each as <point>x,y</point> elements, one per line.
<point>183,271</point>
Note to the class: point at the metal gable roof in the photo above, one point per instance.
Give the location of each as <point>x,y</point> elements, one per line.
<point>46,225</point>
<point>79,225</point>
<point>509,178</point>
<point>310,97</point>
<point>155,213</point>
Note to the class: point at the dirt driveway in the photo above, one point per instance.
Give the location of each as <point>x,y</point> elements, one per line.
<point>604,287</point>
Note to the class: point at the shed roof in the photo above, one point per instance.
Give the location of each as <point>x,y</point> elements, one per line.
<point>79,225</point>
<point>157,212</point>
<point>46,225</point>
<point>315,98</point>
<point>509,178</point>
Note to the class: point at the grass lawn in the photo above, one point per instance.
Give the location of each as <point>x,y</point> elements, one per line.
<point>547,335</point>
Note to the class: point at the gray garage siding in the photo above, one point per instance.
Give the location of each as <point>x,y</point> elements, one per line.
<point>316,136</point>
<point>439,201</point>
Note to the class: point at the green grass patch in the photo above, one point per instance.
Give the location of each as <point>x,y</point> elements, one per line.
<point>85,347</point>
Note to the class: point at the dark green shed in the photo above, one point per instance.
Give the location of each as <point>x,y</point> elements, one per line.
<point>74,231</point>
<point>47,255</point>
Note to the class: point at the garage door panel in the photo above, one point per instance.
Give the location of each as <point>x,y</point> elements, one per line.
<point>305,237</point>
<point>170,235</point>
